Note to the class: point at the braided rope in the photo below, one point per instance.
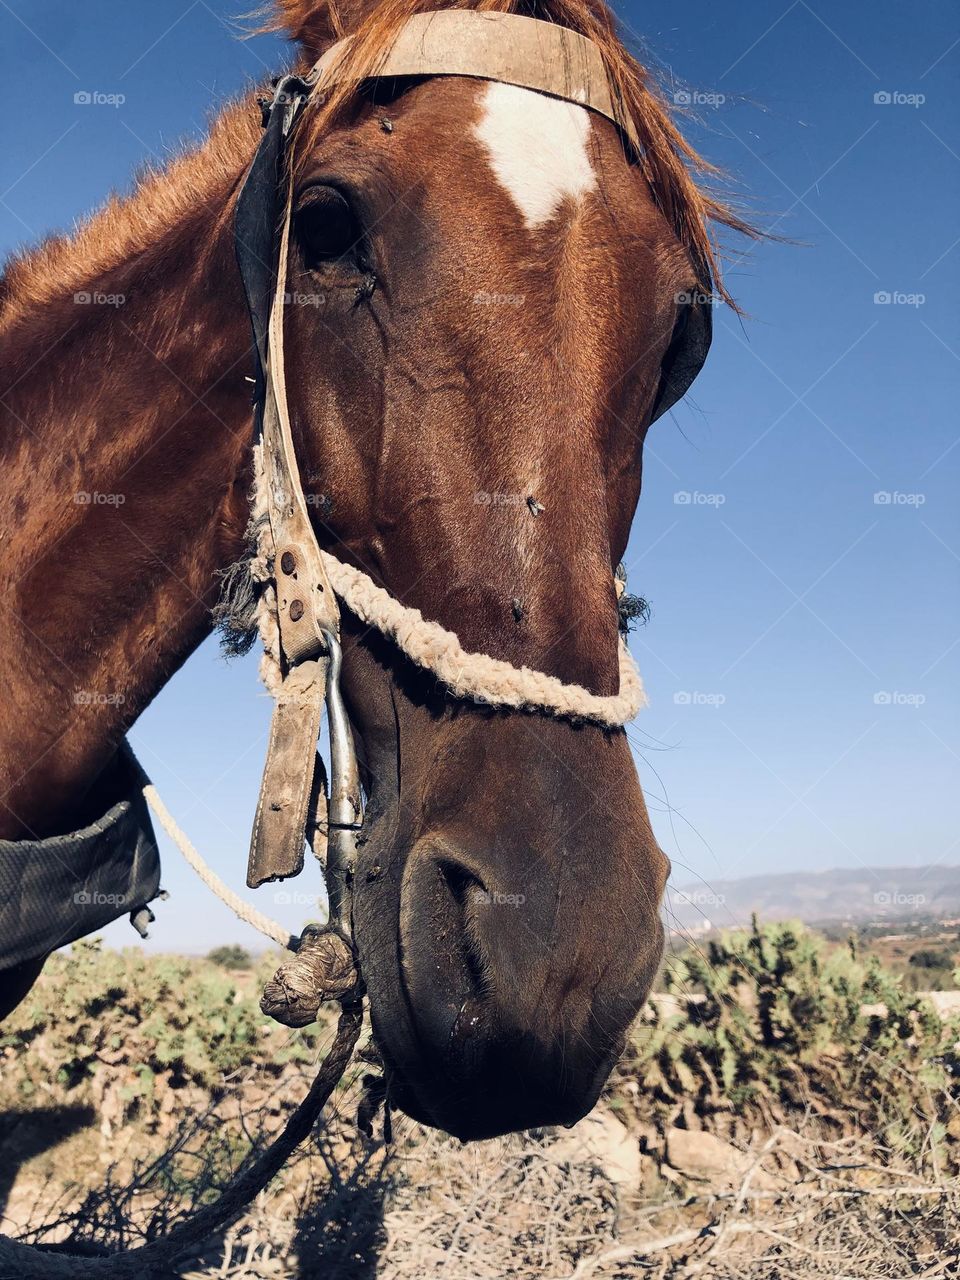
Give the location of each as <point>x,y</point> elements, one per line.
<point>477,676</point>
<point>429,645</point>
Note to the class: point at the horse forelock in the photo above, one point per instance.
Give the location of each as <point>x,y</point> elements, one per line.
<point>674,170</point>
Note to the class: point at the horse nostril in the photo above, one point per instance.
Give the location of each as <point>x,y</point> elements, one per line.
<point>470,894</point>
<point>501,1036</point>
<point>445,970</point>
<point>464,885</point>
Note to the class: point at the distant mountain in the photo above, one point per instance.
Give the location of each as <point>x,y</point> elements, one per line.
<point>859,894</point>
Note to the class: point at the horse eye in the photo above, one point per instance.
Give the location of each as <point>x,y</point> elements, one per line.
<point>326,226</point>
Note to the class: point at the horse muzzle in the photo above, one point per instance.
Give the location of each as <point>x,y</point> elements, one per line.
<point>490,1023</point>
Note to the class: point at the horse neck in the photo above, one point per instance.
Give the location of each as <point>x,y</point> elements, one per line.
<point>125,431</point>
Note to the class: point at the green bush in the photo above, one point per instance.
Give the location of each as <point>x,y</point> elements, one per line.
<point>231,957</point>
<point>786,1026</point>
<point>931,958</point>
<point>161,1014</point>
<point>124,1029</point>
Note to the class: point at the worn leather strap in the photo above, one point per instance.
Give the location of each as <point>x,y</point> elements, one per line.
<point>306,604</point>
<point>306,607</point>
<point>506,47</point>
<point>283,807</point>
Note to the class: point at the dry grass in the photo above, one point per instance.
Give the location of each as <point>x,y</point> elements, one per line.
<point>828,1173</point>
<point>427,1207</point>
<point>511,1210</point>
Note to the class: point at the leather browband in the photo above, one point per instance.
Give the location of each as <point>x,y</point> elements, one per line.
<point>506,47</point>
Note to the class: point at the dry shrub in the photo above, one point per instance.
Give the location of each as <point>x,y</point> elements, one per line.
<point>845,1120</point>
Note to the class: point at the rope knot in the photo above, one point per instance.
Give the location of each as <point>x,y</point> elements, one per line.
<point>324,968</point>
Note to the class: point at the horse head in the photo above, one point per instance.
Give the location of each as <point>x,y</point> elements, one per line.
<point>490,293</point>
<point>487,301</point>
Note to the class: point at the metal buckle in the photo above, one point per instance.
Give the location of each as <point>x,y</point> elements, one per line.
<point>291,93</point>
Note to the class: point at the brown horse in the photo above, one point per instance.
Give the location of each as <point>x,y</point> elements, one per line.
<point>490,297</point>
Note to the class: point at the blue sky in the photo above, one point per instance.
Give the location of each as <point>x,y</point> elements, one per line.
<point>802,655</point>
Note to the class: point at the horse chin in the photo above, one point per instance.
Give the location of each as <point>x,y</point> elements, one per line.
<point>504,1110</point>
<point>462,1050</point>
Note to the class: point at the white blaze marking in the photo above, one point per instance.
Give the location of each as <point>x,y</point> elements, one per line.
<point>537,147</point>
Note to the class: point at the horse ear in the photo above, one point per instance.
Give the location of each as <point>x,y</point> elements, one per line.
<point>315,24</point>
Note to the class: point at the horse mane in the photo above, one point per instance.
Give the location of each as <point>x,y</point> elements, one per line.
<point>675,172</point>
<point>194,182</point>
<point>130,224</point>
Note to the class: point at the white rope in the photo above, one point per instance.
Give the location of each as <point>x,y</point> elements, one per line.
<point>242,910</point>
<point>477,676</point>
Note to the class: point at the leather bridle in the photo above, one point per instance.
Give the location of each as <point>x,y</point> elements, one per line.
<point>492,46</point>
